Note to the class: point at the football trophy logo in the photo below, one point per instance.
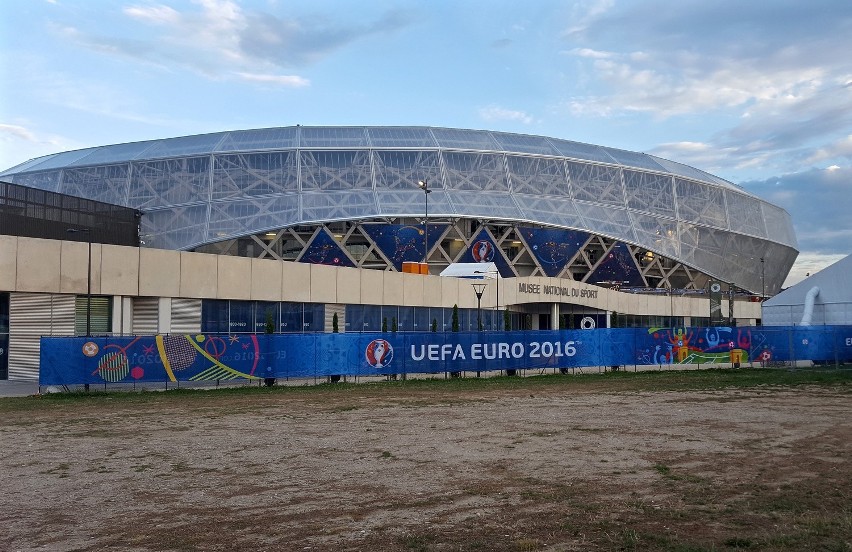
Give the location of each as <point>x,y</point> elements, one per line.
<point>379,353</point>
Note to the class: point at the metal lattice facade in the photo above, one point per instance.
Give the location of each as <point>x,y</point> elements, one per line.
<point>216,191</point>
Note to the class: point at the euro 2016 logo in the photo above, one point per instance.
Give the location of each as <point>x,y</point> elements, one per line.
<point>379,353</point>
<point>483,251</point>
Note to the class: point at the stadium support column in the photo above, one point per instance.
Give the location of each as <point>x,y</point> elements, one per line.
<point>554,316</point>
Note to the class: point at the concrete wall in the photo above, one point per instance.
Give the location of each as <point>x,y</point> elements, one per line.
<point>43,277</point>
<point>47,266</point>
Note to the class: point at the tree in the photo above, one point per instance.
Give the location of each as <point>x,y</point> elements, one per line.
<point>455,329</point>
<point>393,324</point>
<point>434,325</point>
<point>385,324</point>
<point>334,328</point>
<point>270,328</point>
<point>507,320</point>
<point>270,324</point>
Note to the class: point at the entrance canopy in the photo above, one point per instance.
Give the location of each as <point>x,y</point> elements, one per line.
<point>472,270</point>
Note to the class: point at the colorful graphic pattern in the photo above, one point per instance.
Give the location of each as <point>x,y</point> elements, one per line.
<point>552,247</point>
<point>403,243</point>
<point>483,250</point>
<point>618,266</point>
<point>324,249</point>
<point>64,360</point>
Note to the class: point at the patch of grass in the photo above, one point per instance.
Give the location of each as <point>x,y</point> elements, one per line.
<point>527,545</point>
<point>386,454</point>
<point>417,542</point>
<point>738,543</point>
<point>436,390</point>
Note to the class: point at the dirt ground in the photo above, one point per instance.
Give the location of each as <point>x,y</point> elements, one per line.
<point>396,467</point>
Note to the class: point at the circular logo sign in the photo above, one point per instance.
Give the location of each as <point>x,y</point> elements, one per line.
<point>587,323</point>
<point>483,251</point>
<point>379,353</point>
<point>90,348</point>
<point>715,287</point>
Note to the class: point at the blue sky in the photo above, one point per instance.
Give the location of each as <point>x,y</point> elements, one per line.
<point>758,92</point>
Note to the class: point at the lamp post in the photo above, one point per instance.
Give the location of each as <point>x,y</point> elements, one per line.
<point>671,306</point>
<point>88,277</point>
<point>479,289</point>
<point>762,280</point>
<point>496,272</point>
<point>424,185</point>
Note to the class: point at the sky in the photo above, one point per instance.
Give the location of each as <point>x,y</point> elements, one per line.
<point>758,92</point>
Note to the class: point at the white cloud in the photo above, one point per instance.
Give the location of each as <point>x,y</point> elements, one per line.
<point>17,132</point>
<point>159,14</point>
<point>589,53</point>
<point>840,148</point>
<point>219,39</point>
<point>495,113</point>
<point>809,263</point>
<point>775,76</point>
<point>290,81</point>
<point>819,203</point>
<point>585,14</point>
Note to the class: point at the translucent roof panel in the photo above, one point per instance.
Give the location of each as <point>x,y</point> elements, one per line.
<point>413,203</point>
<point>778,224</point>
<point>524,143</point>
<point>634,159</point>
<point>465,139</point>
<point>187,145</point>
<point>691,172</point>
<point>488,204</point>
<point>261,139</point>
<point>333,137</point>
<point>401,137</point>
<point>475,171</point>
<point>60,160</point>
<point>320,207</point>
<point>578,150</point>
<point>27,165</point>
<point>538,175</point>
<point>404,169</point>
<point>113,154</point>
<point>48,180</point>
<point>558,212</point>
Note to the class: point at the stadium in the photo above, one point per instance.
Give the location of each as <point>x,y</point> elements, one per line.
<point>617,223</point>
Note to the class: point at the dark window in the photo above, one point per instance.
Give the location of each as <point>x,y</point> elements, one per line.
<point>214,316</point>
<point>242,317</point>
<point>98,315</point>
<point>291,318</point>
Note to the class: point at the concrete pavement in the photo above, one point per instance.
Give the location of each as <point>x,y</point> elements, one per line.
<point>18,388</point>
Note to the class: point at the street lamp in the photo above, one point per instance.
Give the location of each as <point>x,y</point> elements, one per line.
<point>424,185</point>
<point>671,306</point>
<point>88,277</point>
<point>479,289</point>
<point>762,280</point>
<point>496,272</point>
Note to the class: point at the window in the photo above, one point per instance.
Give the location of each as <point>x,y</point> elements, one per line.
<point>98,315</point>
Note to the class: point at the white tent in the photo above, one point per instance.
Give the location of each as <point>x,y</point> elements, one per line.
<point>822,299</point>
<point>472,270</point>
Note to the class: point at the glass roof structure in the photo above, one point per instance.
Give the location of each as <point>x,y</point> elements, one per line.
<point>197,190</point>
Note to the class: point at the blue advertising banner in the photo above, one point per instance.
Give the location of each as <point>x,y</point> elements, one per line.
<point>553,247</point>
<point>215,357</point>
<point>401,243</point>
